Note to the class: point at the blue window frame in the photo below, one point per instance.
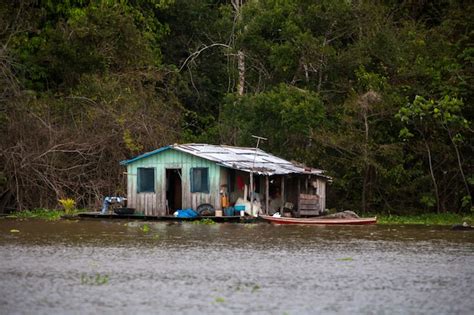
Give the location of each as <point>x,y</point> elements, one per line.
<point>146,179</point>
<point>200,179</point>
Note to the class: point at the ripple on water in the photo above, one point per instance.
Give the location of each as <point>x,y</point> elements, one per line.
<point>110,267</point>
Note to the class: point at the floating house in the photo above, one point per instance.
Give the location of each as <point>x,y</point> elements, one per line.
<point>182,176</point>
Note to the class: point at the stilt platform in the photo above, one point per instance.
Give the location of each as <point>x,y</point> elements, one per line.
<point>138,216</point>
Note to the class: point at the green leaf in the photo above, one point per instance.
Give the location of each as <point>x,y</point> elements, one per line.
<point>405,133</point>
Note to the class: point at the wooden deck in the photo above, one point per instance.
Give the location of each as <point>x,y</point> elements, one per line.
<point>98,215</point>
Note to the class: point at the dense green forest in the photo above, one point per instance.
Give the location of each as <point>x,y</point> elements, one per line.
<point>378,93</point>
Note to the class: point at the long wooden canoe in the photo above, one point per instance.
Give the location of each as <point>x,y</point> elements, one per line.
<point>319,221</point>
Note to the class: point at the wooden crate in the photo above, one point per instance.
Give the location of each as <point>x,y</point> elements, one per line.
<point>308,205</point>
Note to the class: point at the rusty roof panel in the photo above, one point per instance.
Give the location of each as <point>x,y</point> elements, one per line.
<point>246,159</point>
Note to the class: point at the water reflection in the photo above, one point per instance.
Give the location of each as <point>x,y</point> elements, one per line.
<point>120,266</point>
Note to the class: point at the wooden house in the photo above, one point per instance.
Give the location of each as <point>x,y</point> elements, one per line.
<point>188,175</point>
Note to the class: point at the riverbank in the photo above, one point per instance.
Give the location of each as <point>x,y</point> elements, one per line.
<point>426,219</point>
<point>420,219</point>
<point>40,214</point>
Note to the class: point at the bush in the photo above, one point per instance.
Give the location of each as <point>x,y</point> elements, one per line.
<point>68,204</point>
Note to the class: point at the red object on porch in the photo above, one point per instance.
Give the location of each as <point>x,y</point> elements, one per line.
<point>240,183</point>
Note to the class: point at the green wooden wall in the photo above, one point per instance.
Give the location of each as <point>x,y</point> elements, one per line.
<point>155,203</point>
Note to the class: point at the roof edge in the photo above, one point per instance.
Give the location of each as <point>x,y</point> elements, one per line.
<point>144,155</point>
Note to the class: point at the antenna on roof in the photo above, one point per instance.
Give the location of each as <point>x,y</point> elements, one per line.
<point>258,139</point>
<point>256,148</point>
<point>251,173</point>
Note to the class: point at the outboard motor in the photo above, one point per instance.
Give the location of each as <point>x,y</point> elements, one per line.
<point>111,200</point>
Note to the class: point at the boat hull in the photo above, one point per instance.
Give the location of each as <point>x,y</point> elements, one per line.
<point>319,221</point>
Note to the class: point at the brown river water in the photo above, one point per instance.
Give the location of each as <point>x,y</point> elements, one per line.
<point>122,267</point>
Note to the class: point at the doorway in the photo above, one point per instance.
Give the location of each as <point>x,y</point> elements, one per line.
<point>174,190</point>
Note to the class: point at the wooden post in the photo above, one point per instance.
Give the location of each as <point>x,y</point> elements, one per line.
<point>251,193</point>
<point>253,165</point>
<point>282,194</point>
<point>298,195</point>
<point>267,193</point>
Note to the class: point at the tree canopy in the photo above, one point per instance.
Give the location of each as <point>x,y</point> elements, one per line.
<point>378,94</point>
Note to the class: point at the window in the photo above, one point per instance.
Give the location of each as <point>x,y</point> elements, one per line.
<point>146,180</point>
<point>200,180</point>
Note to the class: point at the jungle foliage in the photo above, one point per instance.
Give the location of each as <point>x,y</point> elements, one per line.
<point>378,94</point>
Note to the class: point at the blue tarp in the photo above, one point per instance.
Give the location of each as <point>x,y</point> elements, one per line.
<point>187,213</point>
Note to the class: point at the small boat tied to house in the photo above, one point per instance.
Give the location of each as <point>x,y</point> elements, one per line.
<point>319,220</point>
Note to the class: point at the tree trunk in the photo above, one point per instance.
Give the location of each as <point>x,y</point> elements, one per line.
<point>241,68</point>
<point>237,5</point>
<point>364,192</point>
<point>435,185</point>
<point>458,156</point>
<point>365,108</point>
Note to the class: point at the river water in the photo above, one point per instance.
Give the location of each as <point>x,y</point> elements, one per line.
<point>124,267</point>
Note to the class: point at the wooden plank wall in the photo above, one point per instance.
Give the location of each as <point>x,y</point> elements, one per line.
<point>311,201</point>
<point>321,187</point>
<point>155,203</point>
<point>309,205</point>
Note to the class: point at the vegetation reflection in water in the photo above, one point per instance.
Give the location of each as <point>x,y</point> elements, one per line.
<point>97,279</point>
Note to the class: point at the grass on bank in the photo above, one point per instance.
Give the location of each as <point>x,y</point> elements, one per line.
<point>42,214</point>
<point>68,205</point>
<point>427,219</point>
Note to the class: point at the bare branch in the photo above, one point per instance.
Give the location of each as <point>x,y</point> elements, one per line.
<point>195,54</point>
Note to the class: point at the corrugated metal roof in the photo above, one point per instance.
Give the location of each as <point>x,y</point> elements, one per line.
<point>240,158</point>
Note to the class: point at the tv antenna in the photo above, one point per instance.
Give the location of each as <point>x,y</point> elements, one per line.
<point>251,173</point>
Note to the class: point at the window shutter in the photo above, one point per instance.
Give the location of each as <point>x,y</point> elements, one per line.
<point>193,188</point>
<point>205,180</point>
<point>146,179</point>
<point>199,179</point>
